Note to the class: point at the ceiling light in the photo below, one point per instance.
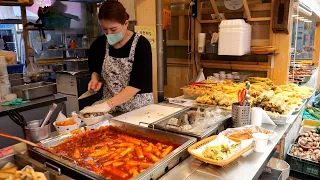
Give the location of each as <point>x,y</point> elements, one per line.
<point>300,17</point>
<point>308,21</point>
<point>295,15</point>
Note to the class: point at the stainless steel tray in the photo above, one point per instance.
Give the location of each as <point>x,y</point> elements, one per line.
<point>161,124</point>
<point>280,119</point>
<point>301,106</point>
<point>15,76</point>
<point>35,90</point>
<point>21,161</point>
<point>16,82</point>
<point>153,172</point>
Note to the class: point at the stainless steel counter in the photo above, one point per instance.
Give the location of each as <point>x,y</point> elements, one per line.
<point>35,103</point>
<point>249,167</point>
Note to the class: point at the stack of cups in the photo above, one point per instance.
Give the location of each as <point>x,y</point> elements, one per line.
<point>229,76</point>
<point>236,75</point>
<point>261,141</point>
<point>222,75</point>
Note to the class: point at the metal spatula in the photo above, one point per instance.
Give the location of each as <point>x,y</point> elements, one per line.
<point>87,94</point>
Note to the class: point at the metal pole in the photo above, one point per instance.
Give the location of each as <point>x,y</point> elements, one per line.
<point>160,50</point>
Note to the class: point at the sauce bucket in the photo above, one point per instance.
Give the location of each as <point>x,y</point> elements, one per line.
<point>35,133</point>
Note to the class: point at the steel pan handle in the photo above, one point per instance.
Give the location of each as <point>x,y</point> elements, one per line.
<point>67,158</point>
<point>146,124</point>
<point>46,165</point>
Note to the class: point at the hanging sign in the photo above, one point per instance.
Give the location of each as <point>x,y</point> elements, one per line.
<point>233,4</point>
<point>148,32</point>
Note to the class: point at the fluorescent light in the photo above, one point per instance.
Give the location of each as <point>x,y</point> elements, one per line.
<point>308,21</point>
<point>300,17</point>
<point>295,15</point>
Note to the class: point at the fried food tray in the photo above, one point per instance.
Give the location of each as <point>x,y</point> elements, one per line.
<point>301,106</point>
<point>21,161</point>
<point>153,172</point>
<point>280,119</point>
<point>161,125</point>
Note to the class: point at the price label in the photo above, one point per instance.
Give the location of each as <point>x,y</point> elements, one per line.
<point>6,151</point>
<point>148,32</point>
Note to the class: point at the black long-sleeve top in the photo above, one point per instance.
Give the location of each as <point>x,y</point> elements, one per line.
<point>141,74</point>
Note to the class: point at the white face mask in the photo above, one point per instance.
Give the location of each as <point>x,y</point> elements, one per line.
<point>115,38</point>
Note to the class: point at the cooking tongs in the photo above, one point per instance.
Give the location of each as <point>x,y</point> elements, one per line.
<point>17,118</point>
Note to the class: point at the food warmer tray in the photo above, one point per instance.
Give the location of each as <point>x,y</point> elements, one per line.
<point>69,166</point>
<point>313,93</point>
<point>301,106</point>
<point>161,125</point>
<point>35,90</point>
<point>280,119</point>
<point>20,160</point>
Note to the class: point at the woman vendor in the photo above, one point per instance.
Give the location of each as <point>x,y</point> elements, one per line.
<point>120,62</point>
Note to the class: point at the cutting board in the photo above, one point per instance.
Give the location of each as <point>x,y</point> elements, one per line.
<point>147,114</point>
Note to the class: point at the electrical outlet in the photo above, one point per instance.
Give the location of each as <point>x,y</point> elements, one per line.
<point>194,8</point>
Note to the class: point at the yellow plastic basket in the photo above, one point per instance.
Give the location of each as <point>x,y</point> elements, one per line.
<point>215,162</point>
<point>308,122</point>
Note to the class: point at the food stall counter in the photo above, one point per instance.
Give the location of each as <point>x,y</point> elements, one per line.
<point>249,167</point>
<point>33,104</point>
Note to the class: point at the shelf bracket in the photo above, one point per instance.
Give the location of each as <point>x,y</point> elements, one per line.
<point>215,9</point>
<point>247,10</point>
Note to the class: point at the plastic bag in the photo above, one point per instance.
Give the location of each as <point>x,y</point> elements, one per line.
<point>61,117</point>
<point>4,79</point>
<point>33,70</point>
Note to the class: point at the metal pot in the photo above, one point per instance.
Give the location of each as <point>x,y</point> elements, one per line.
<point>35,133</point>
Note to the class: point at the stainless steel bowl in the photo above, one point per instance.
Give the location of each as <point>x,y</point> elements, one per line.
<point>35,133</point>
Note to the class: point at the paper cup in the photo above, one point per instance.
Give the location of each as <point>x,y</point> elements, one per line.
<point>201,42</point>
<point>261,141</point>
<point>256,116</point>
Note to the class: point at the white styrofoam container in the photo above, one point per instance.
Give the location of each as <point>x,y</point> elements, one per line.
<point>234,37</point>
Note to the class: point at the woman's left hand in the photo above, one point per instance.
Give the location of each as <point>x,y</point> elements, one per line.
<point>103,108</point>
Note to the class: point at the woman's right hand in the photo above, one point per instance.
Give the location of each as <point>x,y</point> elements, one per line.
<point>94,83</point>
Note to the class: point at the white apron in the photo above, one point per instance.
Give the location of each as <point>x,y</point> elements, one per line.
<point>116,75</point>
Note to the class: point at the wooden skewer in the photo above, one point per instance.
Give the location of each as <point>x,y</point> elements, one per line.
<point>18,139</point>
<point>25,141</point>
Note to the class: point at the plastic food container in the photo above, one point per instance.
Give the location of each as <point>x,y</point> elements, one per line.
<point>92,120</point>
<point>280,165</point>
<point>69,128</point>
<point>261,141</point>
<point>240,33</point>
<point>308,122</point>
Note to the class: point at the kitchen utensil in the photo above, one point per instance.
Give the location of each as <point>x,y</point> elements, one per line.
<point>35,90</point>
<point>17,118</point>
<point>247,95</point>
<point>52,108</point>
<point>35,133</point>
<point>241,96</point>
<point>155,172</point>
<point>87,94</point>
<point>240,115</point>
<point>20,139</point>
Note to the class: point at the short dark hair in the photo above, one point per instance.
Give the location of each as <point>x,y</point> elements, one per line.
<point>113,10</point>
